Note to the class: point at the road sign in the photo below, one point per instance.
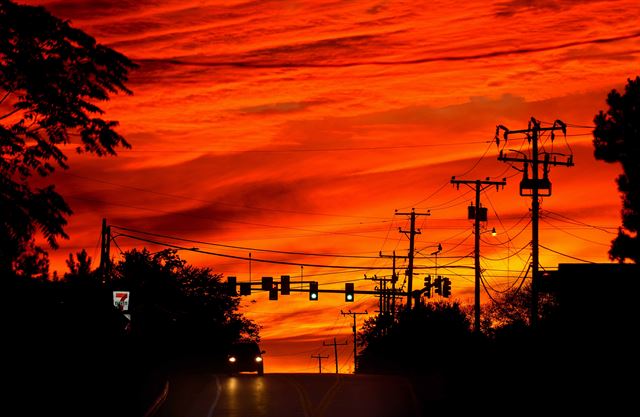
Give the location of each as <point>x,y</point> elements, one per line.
<point>121,300</point>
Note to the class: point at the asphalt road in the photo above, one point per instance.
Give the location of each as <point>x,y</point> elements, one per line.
<point>290,395</point>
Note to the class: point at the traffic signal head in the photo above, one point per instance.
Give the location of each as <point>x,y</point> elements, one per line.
<point>231,286</point>
<point>313,291</point>
<point>273,293</point>
<point>285,285</point>
<point>349,292</point>
<point>267,283</point>
<point>427,286</point>
<point>437,284</point>
<point>446,288</point>
<point>245,288</point>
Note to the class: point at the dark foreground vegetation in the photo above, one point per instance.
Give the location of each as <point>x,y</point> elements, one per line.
<point>69,349</point>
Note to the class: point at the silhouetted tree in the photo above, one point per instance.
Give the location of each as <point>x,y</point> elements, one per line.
<point>511,310</point>
<point>81,265</point>
<point>413,343</point>
<point>617,139</point>
<point>51,76</point>
<point>180,306</point>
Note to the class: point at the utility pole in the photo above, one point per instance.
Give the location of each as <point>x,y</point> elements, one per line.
<point>105,247</point>
<point>478,216</point>
<point>382,293</point>
<point>319,358</point>
<point>535,187</point>
<point>354,314</point>
<point>335,349</point>
<point>394,279</point>
<point>412,232</point>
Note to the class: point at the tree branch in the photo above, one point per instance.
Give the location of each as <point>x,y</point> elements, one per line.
<point>5,96</point>
<point>11,113</point>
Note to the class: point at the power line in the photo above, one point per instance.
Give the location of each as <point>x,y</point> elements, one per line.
<point>509,256</point>
<point>246,248</point>
<point>568,256</point>
<point>271,261</point>
<point>567,219</point>
<point>574,235</point>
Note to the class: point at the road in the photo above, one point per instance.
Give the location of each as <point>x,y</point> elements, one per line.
<point>292,395</point>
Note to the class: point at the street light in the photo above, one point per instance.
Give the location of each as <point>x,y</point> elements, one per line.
<point>193,249</point>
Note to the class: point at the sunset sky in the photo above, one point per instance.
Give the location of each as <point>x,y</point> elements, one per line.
<point>301,126</point>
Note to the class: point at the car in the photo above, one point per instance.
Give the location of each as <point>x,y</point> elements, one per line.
<point>245,357</point>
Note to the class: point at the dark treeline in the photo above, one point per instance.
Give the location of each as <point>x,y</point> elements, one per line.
<point>70,346</point>
<point>581,348</point>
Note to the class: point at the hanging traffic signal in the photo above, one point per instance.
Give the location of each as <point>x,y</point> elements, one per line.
<point>446,288</point>
<point>313,291</point>
<point>245,288</point>
<point>273,293</point>
<point>231,286</point>
<point>267,283</point>
<point>427,286</point>
<point>349,292</point>
<point>437,283</point>
<point>285,284</point>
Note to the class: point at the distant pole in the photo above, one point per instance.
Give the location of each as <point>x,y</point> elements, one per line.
<point>394,278</point>
<point>412,232</point>
<point>335,349</point>
<point>478,186</point>
<point>249,266</point>
<point>354,314</point>
<point>476,256</point>
<point>319,358</point>
<point>105,246</point>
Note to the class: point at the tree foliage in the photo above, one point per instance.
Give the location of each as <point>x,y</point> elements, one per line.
<point>177,301</point>
<point>511,310</point>
<point>412,343</point>
<point>617,139</point>
<point>51,78</point>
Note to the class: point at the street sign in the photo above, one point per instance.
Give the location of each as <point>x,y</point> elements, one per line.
<point>121,300</point>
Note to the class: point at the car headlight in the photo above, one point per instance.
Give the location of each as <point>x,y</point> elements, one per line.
<point>232,359</point>
<point>258,359</point>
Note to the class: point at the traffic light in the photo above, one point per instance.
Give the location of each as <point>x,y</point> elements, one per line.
<point>267,283</point>
<point>245,288</point>
<point>427,286</point>
<point>231,286</point>
<point>437,283</point>
<point>313,291</point>
<point>273,293</point>
<point>349,293</point>
<point>285,284</point>
<point>446,288</point>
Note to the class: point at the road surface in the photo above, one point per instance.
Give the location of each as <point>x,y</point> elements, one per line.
<point>292,395</point>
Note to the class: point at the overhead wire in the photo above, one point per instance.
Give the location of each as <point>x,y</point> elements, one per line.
<point>573,234</point>
<point>245,248</point>
<point>568,256</point>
